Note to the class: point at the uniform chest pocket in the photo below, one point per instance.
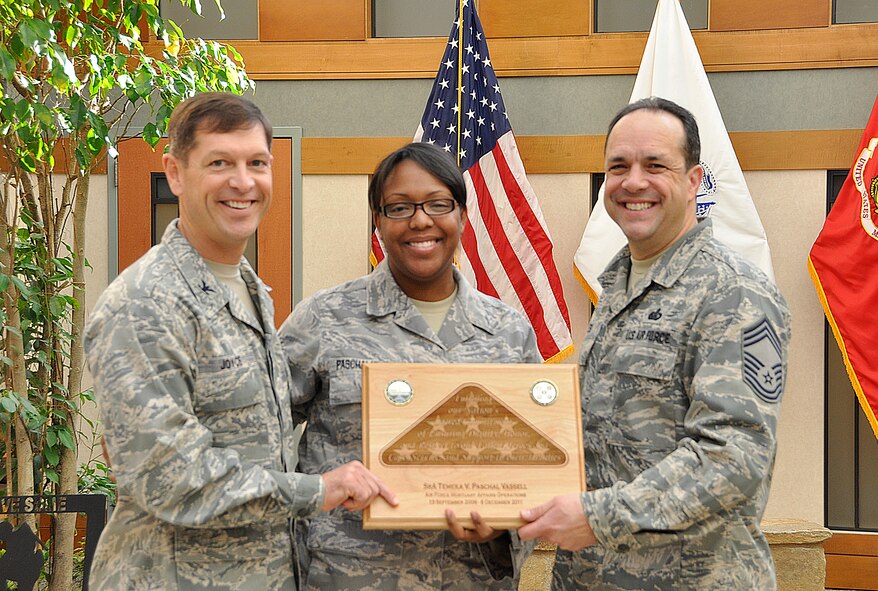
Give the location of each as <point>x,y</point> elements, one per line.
<point>346,403</point>
<point>648,402</point>
<point>345,386</point>
<point>231,403</point>
<point>644,362</point>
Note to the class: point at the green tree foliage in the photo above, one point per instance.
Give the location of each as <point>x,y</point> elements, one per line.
<point>74,73</point>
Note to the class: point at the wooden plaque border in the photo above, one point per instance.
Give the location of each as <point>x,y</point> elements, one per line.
<point>497,490</point>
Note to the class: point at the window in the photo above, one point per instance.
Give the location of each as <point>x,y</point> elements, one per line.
<point>851,494</point>
<point>854,11</point>
<point>241,22</point>
<point>597,181</point>
<point>615,16</point>
<point>412,18</point>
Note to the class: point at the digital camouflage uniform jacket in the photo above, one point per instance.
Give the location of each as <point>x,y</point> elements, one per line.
<point>681,387</point>
<point>195,404</point>
<point>327,338</point>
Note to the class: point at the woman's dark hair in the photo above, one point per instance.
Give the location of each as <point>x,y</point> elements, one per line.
<point>429,157</point>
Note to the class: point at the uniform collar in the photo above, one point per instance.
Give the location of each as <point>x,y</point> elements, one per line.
<point>259,293</point>
<point>384,296</point>
<point>670,265</point>
<point>665,272</point>
<point>212,296</point>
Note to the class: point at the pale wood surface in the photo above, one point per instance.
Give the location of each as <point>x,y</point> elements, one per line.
<point>862,544</point>
<point>756,150</point>
<point>597,54</point>
<point>326,20</point>
<point>738,15</point>
<point>852,561</point>
<point>851,572</point>
<point>481,464</point>
<point>534,18</point>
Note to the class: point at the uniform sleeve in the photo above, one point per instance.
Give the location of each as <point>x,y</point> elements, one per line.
<point>141,358</point>
<point>739,345</point>
<point>518,332</point>
<point>530,350</point>
<point>300,338</point>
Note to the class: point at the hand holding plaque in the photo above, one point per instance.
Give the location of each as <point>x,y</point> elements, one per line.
<point>491,438</point>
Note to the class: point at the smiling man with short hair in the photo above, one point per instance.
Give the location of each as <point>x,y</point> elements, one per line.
<point>682,372</point>
<point>193,384</point>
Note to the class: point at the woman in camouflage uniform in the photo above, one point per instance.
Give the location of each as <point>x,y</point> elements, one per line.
<point>414,307</point>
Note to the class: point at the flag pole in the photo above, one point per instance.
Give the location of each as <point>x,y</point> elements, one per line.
<point>459,73</point>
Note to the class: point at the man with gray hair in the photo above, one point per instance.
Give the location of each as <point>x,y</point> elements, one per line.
<point>194,388</point>
<point>682,372</point>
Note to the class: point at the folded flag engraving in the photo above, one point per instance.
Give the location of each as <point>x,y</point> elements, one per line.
<point>472,427</point>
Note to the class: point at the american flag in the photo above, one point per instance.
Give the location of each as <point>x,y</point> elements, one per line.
<point>507,251</point>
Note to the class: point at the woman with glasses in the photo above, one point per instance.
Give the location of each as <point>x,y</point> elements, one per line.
<point>414,307</point>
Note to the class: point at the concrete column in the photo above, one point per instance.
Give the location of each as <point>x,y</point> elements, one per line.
<point>797,548</point>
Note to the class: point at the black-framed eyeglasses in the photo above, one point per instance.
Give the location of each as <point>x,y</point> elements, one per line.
<point>404,209</point>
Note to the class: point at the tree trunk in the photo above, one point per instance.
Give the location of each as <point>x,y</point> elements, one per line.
<point>25,456</point>
<point>5,257</point>
<point>77,321</point>
<point>7,458</point>
<point>24,452</point>
<point>14,346</point>
<point>64,528</point>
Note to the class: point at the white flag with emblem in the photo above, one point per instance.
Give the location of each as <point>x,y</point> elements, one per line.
<point>671,68</point>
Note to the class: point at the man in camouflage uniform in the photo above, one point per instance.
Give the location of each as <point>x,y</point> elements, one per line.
<point>682,372</point>
<point>193,387</point>
<point>372,319</point>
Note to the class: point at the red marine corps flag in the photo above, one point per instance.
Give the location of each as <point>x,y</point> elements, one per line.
<point>844,267</point>
<point>507,250</point>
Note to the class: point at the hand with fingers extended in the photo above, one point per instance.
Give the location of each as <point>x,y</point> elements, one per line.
<point>354,487</point>
<point>561,521</point>
<point>482,532</point>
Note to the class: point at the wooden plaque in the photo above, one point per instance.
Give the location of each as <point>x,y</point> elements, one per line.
<point>492,438</point>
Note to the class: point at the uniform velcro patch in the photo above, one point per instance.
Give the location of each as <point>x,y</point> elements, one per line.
<point>763,366</point>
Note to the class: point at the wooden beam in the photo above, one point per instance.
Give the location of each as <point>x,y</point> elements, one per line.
<point>796,150</point>
<point>851,572</point>
<point>606,53</point>
<point>858,544</point>
<point>563,154</point>
<point>63,151</point>
<point>359,155</point>
<point>756,150</point>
